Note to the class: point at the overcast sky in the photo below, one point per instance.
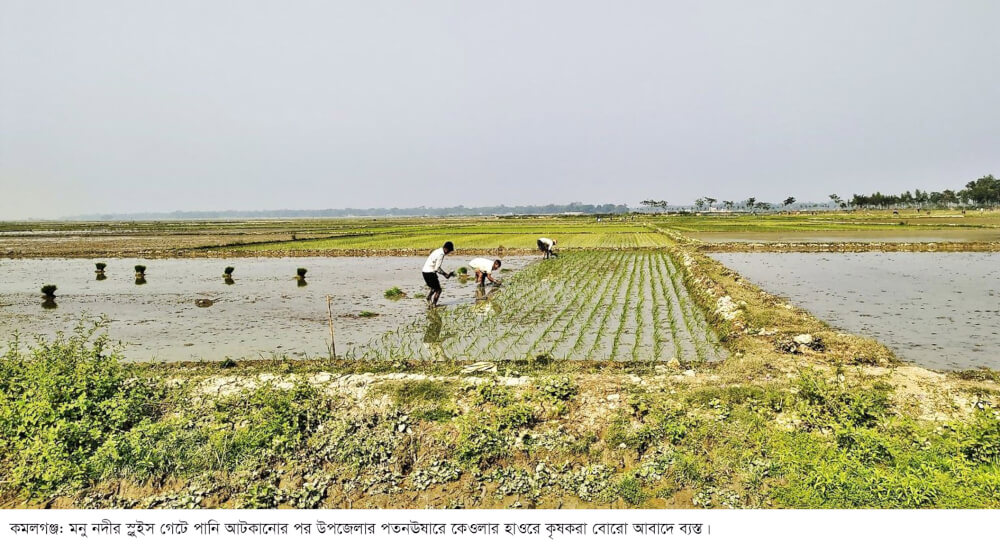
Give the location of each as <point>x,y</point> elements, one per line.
<point>134,106</point>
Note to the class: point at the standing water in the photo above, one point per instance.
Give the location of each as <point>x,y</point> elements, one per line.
<point>939,310</point>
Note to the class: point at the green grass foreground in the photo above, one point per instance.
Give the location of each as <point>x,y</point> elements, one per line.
<point>80,428</point>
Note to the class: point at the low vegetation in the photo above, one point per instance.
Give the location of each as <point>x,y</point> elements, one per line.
<point>78,427</point>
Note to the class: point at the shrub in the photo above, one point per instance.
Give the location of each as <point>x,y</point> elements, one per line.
<point>981,438</point>
<point>62,402</point>
<point>49,290</point>
<point>395,293</point>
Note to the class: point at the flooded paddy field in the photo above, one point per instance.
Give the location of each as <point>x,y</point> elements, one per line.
<point>939,310</point>
<point>265,312</point>
<point>624,306</point>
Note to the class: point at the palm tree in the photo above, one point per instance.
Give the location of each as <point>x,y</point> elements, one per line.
<point>751,202</point>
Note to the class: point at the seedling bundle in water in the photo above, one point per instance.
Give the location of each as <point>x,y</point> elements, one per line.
<point>49,291</point>
<point>100,267</point>
<point>395,293</point>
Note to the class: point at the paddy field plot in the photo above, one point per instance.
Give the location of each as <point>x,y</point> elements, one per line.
<point>940,310</point>
<point>621,306</point>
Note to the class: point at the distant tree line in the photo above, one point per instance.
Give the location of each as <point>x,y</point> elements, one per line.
<point>460,210</point>
<point>984,192</point>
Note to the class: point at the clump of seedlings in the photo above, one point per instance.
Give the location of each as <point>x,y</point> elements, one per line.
<point>462,270</point>
<point>140,274</point>
<point>368,314</point>
<point>227,275</point>
<point>395,293</point>
<point>300,276</point>
<point>48,296</point>
<point>100,267</point>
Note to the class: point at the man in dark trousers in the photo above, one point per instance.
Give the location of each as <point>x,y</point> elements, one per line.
<point>432,267</point>
<point>547,246</point>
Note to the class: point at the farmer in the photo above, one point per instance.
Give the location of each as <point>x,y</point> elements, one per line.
<point>547,246</point>
<point>484,270</point>
<point>431,270</point>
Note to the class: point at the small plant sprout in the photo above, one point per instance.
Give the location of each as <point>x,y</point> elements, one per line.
<point>367,314</point>
<point>395,293</point>
<point>100,267</point>
<point>49,291</point>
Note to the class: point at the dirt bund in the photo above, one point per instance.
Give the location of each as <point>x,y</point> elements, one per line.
<point>846,247</point>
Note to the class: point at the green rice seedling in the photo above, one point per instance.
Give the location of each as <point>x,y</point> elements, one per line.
<point>684,306</point>
<point>623,316</point>
<point>228,272</point>
<point>368,314</point>
<point>462,270</point>
<point>100,267</point>
<point>300,273</point>
<point>140,270</point>
<point>395,293</point>
<point>670,299</point>
<point>582,293</point>
<point>49,291</point>
<point>599,305</point>
<point>602,324</point>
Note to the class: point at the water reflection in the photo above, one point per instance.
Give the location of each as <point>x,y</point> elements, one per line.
<point>432,336</point>
<point>49,303</point>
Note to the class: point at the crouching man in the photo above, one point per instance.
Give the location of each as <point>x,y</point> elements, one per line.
<point>432,267</point>
<point>484,270</point>
<point>547,246</point>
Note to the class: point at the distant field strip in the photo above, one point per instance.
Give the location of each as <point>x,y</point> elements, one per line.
<point>485,235</point>
<point>621,305</point>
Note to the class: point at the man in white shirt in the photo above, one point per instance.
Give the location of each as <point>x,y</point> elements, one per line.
<point>484,270</point>
<point>432,267</point>
<point>547,246</point>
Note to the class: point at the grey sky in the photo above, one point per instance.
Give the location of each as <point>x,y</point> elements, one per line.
<point>130,106</point>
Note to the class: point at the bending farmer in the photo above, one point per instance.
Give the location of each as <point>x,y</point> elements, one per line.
<point>431,270</point>
<point>547,246</point>
<point>484,270</point>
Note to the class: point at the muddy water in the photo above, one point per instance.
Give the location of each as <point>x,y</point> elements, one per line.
<point>264,313</point>
<point>939,310</point>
